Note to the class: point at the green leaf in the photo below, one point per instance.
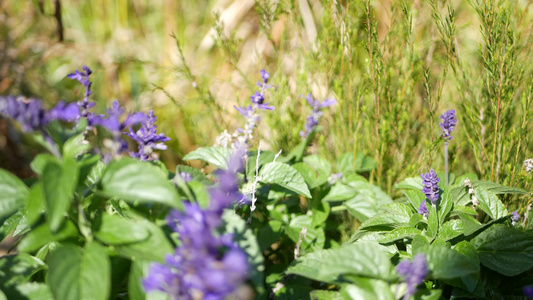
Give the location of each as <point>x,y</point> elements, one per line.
<point>116,230</point>
<point>40,161</point>
<point>318,163</point>
<point>247,241</point>
<point>12,193</point>
<point>459,209</point>
<point>216,156</point>
<point>433,222</point>
<point>470,281</point>
<point>76,145</point>
<point>490,203</point>
<point>366,259</point>
<point>312,177</point>
<point>320,211</point>
<point>200,193</point>
<point>496,188</point>
<point>505,250</point>
<point>340,191</point>
<point>450,229</point>
<point>195,173</point>
<point>285,176</point>
<point>368,289</point>
<point>134,180</point>
<point>15,270</point>
<point>400,234</point>
<point>413,183</point>
<point>59,183</point>
<point>35,204</point>
<point>42,235</point>
<point>315,237</point>
<point>76,273</point>
<point>297,152</point>
<point>35,291</point>
<point>445,263</point>
<point>415,197</point>
<point>385,221</point>
<point>9,225</point>
<point>445,205</point>
<point>470,225</point>
<point>155,248</point>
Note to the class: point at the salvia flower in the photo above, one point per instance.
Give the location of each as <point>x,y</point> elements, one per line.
<point>84,104</point>
<point>29,113</point>
<point>242,136</point>
<point>515,217</point>
<point>423,209</point>
<point>147,138</point>
<point>448,124</point>
<point>431,189</point>
<point>69,112</point>
<point>206,265</point>
<point>528,164</point>
<point>114,124</point>
<point>312,121</point>
<point>413,273</point>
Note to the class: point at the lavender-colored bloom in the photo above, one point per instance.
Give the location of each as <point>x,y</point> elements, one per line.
<point>65,112</point>
<point>244,135</point>
<point>423,209</point>
<point>29,113</point>
<point>312,121</point>
<point>515,217</point>
<point>431,188</point>
<point>147,138</point>
<point>206,265</point>
<point>186,177</point>
<point>413,273</point>
<point>114,124</point>
<point>448,124</point>
<point>84,104</point>
<point>528,291</point>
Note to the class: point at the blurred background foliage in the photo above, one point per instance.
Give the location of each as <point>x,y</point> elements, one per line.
<point>393,66</point>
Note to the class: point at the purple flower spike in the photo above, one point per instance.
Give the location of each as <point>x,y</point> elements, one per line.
<point>448,124</point>
<point>244,135</point>
<point>29,113</point>
<point>515,217</point>
<point>312,121</point>
<point>431,188</point>
<point>264,76</point>
<point>207,265</point>
<point>413,272</point>
<point>84,104</point>
<point>146,136</point>
<point>423,209</point>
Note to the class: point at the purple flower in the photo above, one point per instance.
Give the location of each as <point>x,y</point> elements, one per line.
<point>114,124</point>
<point>431,188</point>
<point>65,112</point>
<point>528,291</point>
<point>413,273</point>
<point>84,104</point>
<point>515,217</point>
<point>244,135</point>
<point>257,98</point>
<point>186,177</point>
<point>147,138</point>
<point>448,124</point>
<point>264,76</point>
<point>29,113</point>
<point>312,121</point>
<point>423,209</point>
<point>206,265</point>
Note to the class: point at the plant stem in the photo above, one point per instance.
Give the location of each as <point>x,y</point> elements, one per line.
<point>446,175</point>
